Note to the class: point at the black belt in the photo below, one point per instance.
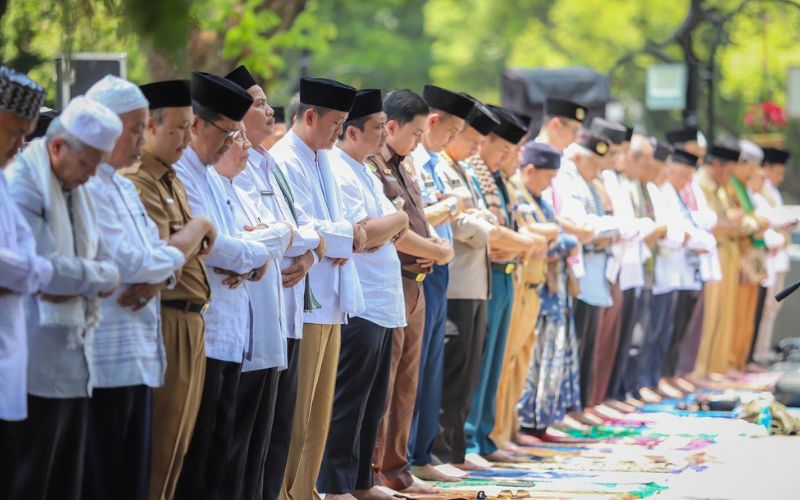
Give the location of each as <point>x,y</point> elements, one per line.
<point>506,268</point>
<point>418,277</point>
<point>186,306</point>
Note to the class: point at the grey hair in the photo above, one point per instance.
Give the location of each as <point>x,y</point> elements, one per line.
<point>57,130</point>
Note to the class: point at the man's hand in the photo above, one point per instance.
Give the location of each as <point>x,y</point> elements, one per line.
<point>208,240</point>
<point>735,215</point>
<point>137,296</point>
<point>549,231</point>
<point>447,253</point>
<point>259,272</point>
<point>257,227</point>
<point>321,248</point>
<point>57,299</point>
<point>425,263</point>
<point>656,234</point>
<point>337,261</point>
<point>233,279</point>
<point>359,237</point>
<point>497,255</point>
<point>298,270</point>
<point>400,234</point>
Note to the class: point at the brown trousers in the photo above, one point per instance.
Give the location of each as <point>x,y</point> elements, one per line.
<point>744,323</point>
<point>609,322</point>
<point>316,382</point>
<point>175,404</point>
<point>718,315</point>
<point>516,358</point>
<point>390,460</point>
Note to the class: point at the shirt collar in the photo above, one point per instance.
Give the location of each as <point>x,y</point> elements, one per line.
<point>106,171</point>
<point>260,158</point>
<point>156,167</point>
<point>306,153</point>
<point>345,156</point>
<point>395,159</point>
<point>421,156</point>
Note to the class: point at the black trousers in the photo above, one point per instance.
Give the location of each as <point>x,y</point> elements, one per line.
<point>51,449</point>
<point>358,405</point>
<point>118,443</point>
<point>762,298</point>
<point>278,449</point>
<point>201,476</point>
<point>684,308</point>
<point>616,386</point>
<point>639,339</point>
<point>586,330</point>
<point>465,336</point>
<point>255,409</point>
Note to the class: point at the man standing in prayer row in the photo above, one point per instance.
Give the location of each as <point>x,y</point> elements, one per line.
<point>47,183</point>
<point>175,404</point>
<point>366,353</point>
<point>302,155</point>
<point>128,349</point>
<point>22,271</point>
<point>406,114</point>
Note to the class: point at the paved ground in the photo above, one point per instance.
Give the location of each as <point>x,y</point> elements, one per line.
<point>754,469</point>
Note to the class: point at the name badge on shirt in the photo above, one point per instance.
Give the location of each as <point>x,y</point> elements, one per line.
<point>267,192</point>
<point>399,203</point>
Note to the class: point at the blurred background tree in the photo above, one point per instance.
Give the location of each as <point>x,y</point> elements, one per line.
<point>463,44</point>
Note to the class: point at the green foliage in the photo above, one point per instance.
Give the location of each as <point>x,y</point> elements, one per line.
<point>255,35</point>
<point>463,44</point>
<point>34,34</point>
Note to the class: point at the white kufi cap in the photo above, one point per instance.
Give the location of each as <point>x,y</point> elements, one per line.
<point>118,95</point>
<point>91,123</point>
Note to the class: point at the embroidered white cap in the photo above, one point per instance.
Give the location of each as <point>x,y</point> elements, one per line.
<point>118,95</point>
<point>91,123</point>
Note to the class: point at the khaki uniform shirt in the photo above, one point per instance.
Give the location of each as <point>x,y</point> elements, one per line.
<point>164,197</point>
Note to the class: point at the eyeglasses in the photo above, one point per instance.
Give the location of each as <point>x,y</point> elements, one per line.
<point>228,133</point>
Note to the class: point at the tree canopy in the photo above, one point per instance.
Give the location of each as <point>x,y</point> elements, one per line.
<point>463,44</point>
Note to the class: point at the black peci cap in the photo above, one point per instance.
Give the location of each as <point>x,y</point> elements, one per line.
<point>221,95</point>
<point>565,109</point>
<point>327,93</point>
<point>367,102</point>
<point>593,142</point>
<point>775,156</point>
<point>510,128</point>
<point>168,94</point>
<point>684,158</point>
<point>540,155</point>
<point>241,77</point>
<point>724,153</point>
<point>447,101</point>
<point>612,131</point>
<point>481,118</point>
<point>661,150</point>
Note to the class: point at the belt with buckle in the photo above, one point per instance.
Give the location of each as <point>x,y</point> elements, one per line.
<point>186,306</point>
<point>504,268</point>
<point>418,277</point>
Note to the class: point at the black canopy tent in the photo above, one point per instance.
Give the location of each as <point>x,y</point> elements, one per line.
<point>525,90</point>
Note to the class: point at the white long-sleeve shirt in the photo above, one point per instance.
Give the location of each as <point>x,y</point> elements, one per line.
<point>228,334</point>
<point>266,294</point>
<point>128,347</point>
<point>58,367</point>
<point>378,271</point>
<point>316,191</point>
<point>22,272</point>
